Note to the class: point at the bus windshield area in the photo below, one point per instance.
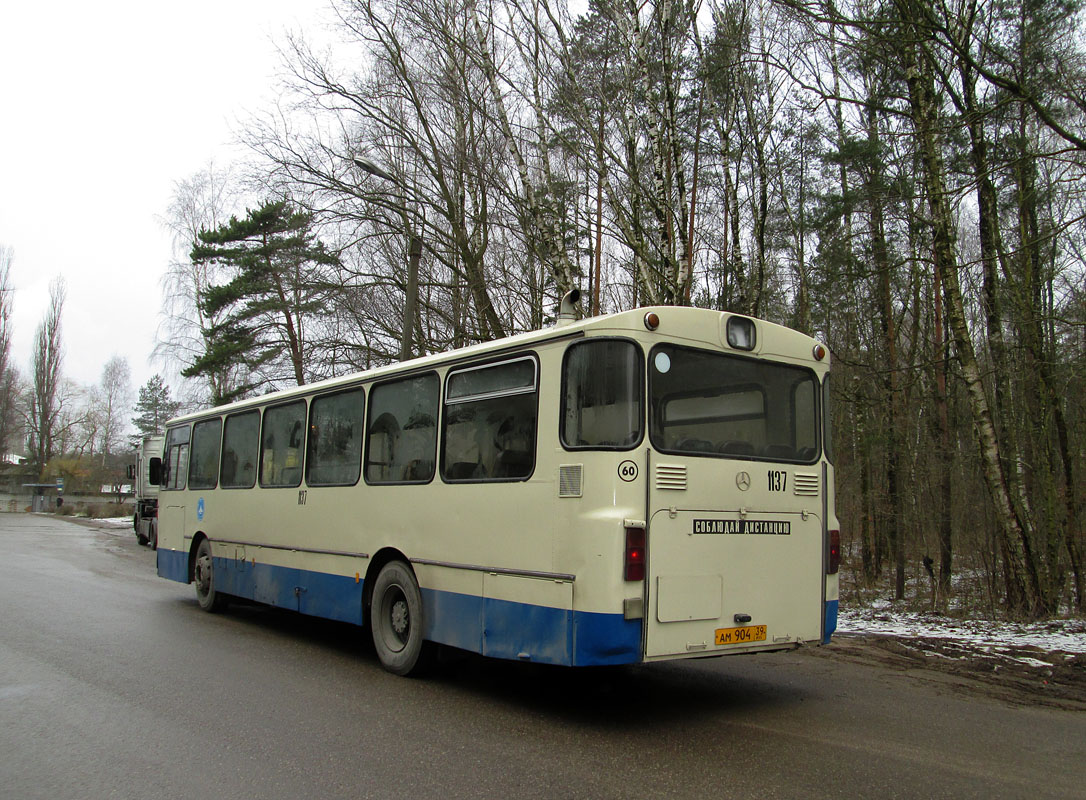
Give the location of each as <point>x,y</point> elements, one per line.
<point>705,403</point>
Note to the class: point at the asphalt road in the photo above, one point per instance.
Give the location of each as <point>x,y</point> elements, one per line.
<point>113,684</point>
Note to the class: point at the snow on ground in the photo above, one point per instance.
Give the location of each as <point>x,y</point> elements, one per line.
<point>114,522</point>
<point>1055,635</point>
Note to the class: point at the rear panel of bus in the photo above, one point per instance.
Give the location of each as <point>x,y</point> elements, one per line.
<point>735,494</point>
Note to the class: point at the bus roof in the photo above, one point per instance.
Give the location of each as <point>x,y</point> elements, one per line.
<point>676,322</point>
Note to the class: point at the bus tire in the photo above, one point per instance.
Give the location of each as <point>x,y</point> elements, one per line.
<point>203,575</point>
<point>396,620</point>
<point>152,540</point>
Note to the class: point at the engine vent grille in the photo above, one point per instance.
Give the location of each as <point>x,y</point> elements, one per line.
<point>569,480</point>
<point>671,476</point>
<point>806,484</point>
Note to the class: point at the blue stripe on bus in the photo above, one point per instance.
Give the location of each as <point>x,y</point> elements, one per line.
<point>497,628</point>
<point>173,564</point>
<point>542,634</point>
<point>831,620</point>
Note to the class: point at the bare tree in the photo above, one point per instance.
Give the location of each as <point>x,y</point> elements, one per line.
<point>8,381</point>
<point>113,402</point>
<point>43,415</point>
<point>201,202</point>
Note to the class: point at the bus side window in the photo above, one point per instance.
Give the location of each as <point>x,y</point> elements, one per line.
<point>240,440</point>
<point>334,457</point>
<point>281,446</point>
<point>177,458</point>
<point>602,395</point>
<point>401,443</point>
<point>489,425</point>
<point>204,464</point>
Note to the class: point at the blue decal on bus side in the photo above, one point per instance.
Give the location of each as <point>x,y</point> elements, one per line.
<point>831,620</point>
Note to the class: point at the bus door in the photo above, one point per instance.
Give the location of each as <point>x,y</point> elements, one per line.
<point>735,528</point>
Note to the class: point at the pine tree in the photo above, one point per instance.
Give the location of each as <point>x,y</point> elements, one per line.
<point>264,309</point>
<point>153,408</point>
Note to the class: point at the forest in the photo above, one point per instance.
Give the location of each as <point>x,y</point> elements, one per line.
<point>902,179</point>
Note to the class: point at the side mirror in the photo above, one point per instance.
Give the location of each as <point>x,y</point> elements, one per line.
<point>154,472</point>
<point>131,471</point>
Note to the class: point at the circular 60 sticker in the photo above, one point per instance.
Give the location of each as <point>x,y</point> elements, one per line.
<point>627,470</point>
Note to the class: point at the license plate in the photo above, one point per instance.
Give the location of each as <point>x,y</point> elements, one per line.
<point>748,633</point>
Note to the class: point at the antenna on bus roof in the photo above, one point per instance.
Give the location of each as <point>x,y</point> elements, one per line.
<point>567,311</point>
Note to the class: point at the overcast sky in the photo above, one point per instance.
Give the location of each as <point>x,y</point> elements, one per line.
<point>103,106</point>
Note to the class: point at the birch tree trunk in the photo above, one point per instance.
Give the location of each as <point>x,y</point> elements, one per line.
<point>1024,591</point>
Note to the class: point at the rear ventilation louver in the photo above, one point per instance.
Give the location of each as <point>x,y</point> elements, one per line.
<point>806,484</point>
<point>569,480</point>
<point>670,476</point>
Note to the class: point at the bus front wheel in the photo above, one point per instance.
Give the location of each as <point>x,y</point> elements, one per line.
<point>396,621</point>
<point>203,574</point>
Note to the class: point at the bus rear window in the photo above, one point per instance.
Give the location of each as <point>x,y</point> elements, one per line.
<point>707,403</point>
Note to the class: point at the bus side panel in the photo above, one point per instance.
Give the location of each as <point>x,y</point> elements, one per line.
<point>453,619</point>
<point>525,632</point>
<point>527,618</point>
<point>605,639</point>
<point>318,594</point>
<point>522,631</point>
<point>172,556</point>
<point>173,564</point>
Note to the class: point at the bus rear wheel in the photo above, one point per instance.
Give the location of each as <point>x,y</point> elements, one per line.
<point>396,620</point>
<point>203,574</point>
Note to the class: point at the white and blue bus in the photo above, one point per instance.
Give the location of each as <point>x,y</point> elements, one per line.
<point>649,485</point>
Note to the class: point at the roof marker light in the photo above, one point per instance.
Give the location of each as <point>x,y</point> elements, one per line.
<point>819,352</point>
<point>652,320</point>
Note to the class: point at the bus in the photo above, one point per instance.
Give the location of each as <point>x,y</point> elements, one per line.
<point>648,485</point>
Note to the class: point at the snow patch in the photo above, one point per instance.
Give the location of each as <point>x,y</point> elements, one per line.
<point>1049,636</point>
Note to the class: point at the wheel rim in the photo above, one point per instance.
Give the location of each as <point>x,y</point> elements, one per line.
<point>395,618</point>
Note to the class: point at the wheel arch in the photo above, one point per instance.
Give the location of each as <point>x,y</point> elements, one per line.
<point>377,562</point>
<point>197,537</point>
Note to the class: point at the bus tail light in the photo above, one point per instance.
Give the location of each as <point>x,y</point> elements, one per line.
<point>635,554</point>
<point>834,561</point>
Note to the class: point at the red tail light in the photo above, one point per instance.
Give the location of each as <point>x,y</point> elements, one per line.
<point>635,554</point>
<point>833,563</point>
